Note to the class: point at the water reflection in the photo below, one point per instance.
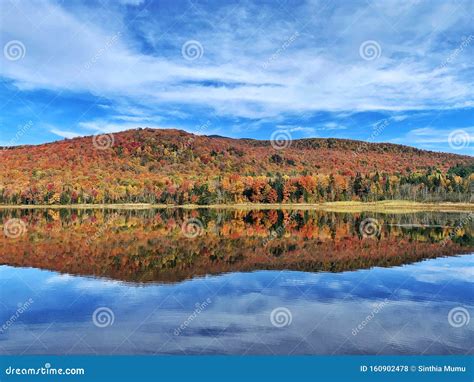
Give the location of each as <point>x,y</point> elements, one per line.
<point>325,309</point>
<point>173,245</point>
<point>235,282</point>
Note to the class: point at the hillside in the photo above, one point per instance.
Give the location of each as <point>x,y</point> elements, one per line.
<point>172,166</point>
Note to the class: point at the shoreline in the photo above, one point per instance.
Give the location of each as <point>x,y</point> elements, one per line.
<point>393,206</point>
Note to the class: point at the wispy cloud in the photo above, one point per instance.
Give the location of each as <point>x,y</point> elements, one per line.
<point>332,126</point>
<point>459,140</point>
<point>65,134</point>
<point>308,131</point>
<point>430,135</point>
<point>311,74</point>
<point>102,126</point>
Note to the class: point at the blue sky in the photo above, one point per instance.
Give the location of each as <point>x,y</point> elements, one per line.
<point>391,71</point>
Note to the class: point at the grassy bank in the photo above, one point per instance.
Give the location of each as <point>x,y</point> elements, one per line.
<point>390,206</point>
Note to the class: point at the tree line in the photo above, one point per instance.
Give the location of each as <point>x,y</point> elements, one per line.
<point>455,185</point>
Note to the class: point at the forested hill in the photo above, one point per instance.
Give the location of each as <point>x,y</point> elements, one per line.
<point>172,166</point>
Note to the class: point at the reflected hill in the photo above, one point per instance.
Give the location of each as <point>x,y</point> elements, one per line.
<point>173,245</point>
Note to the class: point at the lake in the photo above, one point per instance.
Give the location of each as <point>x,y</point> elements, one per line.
<point>174,281</point>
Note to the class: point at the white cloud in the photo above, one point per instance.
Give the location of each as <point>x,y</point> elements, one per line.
<point>65,134</point>
<point>131,2</point>
<point>459,140</point>
<point>320,70</point>
<point>399,118</point>
<point>102,126</point>
<point>332,126</point>
<point>431,135</point>
<point>309,131</point>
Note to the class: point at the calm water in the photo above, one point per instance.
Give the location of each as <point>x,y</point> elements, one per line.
<point>227,282</point>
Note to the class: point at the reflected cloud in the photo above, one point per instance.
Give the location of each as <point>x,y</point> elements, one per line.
<point>324,309</point>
